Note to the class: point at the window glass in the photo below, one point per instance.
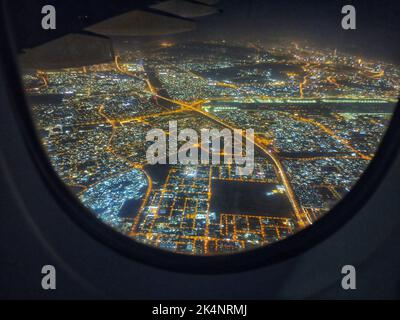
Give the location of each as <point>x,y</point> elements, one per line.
<point>211,127</point>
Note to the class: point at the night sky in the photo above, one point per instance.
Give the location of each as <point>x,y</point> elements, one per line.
<point>316,21</point>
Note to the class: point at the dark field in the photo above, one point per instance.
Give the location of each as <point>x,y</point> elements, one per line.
<point>250,198</point>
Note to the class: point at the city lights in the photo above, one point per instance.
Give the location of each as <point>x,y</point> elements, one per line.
<point>318,116</point>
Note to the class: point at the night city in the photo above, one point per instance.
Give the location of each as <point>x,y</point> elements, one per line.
<point>318,108</point>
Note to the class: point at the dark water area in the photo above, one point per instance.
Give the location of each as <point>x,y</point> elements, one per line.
<point>130,208</point>
<point>158,172</point>
<point>237,197</point>
<point>156,83</point>
<point>45,99</point>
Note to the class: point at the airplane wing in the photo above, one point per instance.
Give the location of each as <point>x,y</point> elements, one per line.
<point>84,29</point>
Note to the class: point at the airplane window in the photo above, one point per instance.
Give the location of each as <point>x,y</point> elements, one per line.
<point>208,127</point>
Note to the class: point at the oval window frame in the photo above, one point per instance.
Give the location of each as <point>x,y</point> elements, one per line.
<point>289,247</point>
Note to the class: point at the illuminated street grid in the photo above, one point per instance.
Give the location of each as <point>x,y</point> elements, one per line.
<point>318,117</point>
